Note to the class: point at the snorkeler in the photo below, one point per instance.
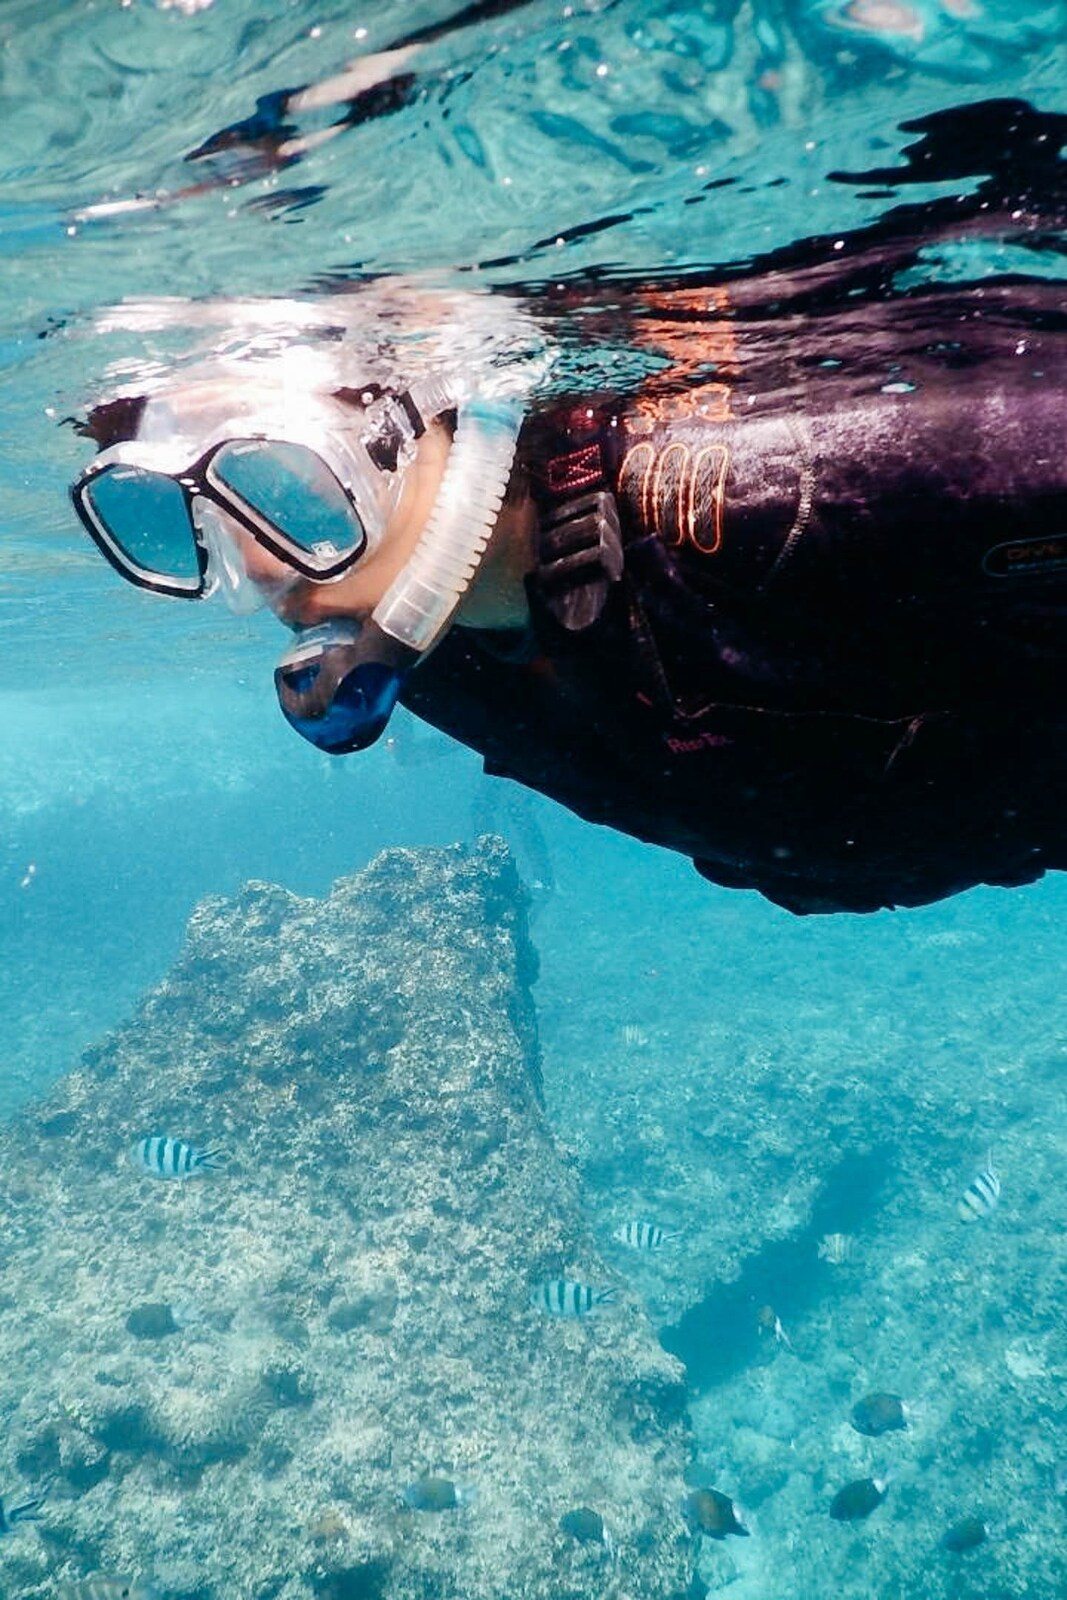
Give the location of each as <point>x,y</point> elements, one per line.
<point>792,605</point>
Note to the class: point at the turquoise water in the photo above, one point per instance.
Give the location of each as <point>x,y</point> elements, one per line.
<point>756,1081</point>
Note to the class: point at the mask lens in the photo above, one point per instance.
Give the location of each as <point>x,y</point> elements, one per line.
<point>145,516</point>
<point>291,488</point>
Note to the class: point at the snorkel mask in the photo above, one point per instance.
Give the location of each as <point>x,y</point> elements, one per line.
<point>310,480</point>
<point>311,484</point>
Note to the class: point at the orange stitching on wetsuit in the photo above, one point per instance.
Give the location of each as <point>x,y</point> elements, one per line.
<point>644,447</point>
<point>683,511</point>
<point>659,508</point>
<point>718,497</point>
<point>654,470</point>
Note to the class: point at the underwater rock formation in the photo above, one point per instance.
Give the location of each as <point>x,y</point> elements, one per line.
<point>232,1379</point>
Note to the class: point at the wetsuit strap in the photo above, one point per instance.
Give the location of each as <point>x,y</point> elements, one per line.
<point>580,546</point>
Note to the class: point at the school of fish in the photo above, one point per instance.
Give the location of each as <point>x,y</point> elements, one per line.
<point>709,1512</point>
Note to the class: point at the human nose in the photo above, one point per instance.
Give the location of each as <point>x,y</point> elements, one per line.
<point>247,575</point>
<point>260,564</point>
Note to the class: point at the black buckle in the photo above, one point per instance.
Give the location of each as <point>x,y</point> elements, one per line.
<point>580,558</point>
<point>385,444</point>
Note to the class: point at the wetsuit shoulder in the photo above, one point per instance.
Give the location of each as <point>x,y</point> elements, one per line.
<point>810,674</point>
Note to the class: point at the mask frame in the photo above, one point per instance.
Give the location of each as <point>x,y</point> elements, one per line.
<point>391,423</point>
<point>198,481</point>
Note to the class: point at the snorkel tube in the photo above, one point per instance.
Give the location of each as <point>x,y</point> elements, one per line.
<point>338,684</point>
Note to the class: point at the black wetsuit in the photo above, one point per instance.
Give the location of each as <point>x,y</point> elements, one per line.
<point>833,667</point>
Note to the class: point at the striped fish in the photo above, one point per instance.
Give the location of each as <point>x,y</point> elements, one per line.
<point>643,1235</point>
<point>106,1586</point>
<point>173,1158</point>
<point>28,1511</point>
<point>837,1248</point>
<point>562,1297</point>
<point>981,1194</point>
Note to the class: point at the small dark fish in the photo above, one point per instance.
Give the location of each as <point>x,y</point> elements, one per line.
<point>858,1499</point>
<point>174,1158</point>
<point>430,1493</point>
<point>106,1586</point>
<point>967,1534</point>
<point>583,1524</point>
<point>708,1511</point>
<point>562,1297</point>
<point>879,1413</point>
<point>28,1511</point>
<point>151,1321</point>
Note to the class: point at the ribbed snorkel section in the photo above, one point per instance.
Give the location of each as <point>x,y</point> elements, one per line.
<point>422,600</point>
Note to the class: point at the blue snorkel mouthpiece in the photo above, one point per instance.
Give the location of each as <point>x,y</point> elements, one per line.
<point>338,683</point>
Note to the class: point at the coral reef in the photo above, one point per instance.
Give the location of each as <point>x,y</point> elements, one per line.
<point>837,1078</point>
<point>231,1380</point>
